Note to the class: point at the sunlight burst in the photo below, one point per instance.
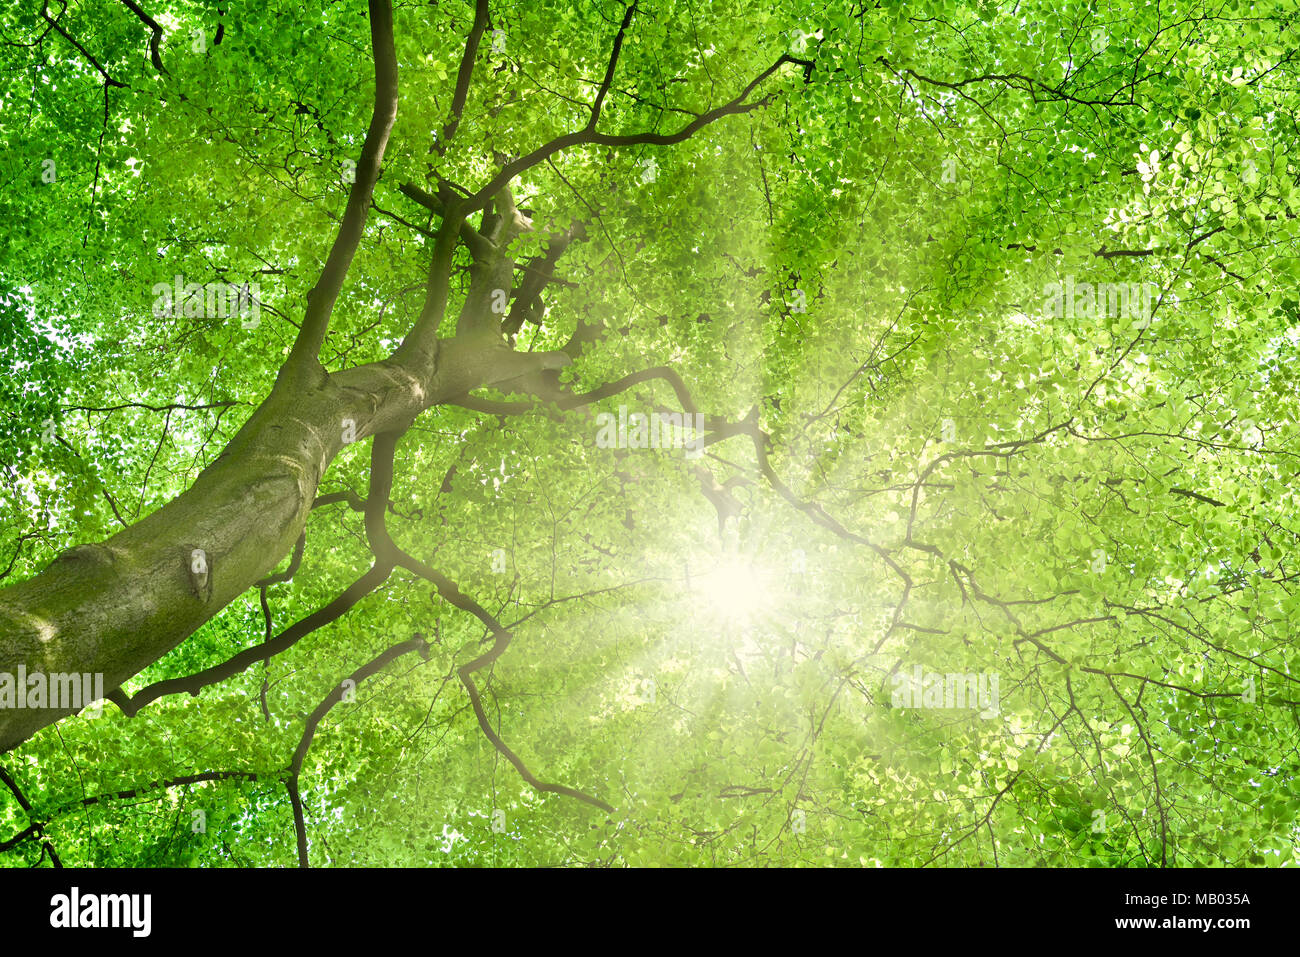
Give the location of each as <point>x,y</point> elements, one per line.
<point>737,589</point>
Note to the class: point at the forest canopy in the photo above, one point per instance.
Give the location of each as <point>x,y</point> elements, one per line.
<point>534,433</point>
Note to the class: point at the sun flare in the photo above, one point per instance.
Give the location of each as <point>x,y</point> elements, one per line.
<point>737,589</point>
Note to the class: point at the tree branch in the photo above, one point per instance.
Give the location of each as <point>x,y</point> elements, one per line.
<point>374,665</point>
<point>382,542</point>
<point>36,828</point>
<point>108,80</point>
<point>152,408</point>
<point>465,73</point>
<point>321,298</point>
<point>613,65</point>
<point>195,683</point>
<point>539,272</point>
<point>155,39</point>
<point>479,245</point>
<point>589,136</point>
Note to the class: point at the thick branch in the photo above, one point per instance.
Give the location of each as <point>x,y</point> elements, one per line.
<point>320,300</point>
<point>538,273</point>
<point>479,245</point>
<point>465,73</point>
<point>154,39</point>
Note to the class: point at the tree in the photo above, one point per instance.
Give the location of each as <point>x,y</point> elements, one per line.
<point>815,433</point>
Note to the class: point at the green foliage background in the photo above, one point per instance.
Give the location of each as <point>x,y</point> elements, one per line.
<point>940,167</point>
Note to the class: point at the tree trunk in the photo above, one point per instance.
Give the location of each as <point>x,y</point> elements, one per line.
<point>114,608</point>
